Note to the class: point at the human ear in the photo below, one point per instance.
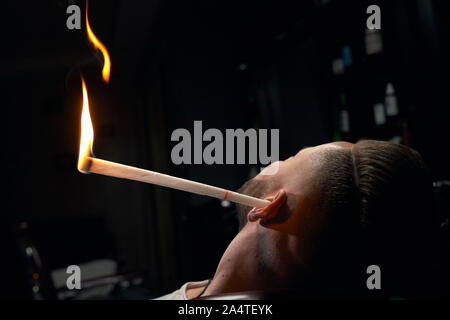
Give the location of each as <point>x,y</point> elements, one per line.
<point>271,210</point>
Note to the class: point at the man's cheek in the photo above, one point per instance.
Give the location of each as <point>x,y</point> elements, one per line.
<point>271,169</point>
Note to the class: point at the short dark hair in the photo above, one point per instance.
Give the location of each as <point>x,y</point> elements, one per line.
<point>379,199</point>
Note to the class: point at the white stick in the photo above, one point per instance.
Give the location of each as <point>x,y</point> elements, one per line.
<point>118,170</point>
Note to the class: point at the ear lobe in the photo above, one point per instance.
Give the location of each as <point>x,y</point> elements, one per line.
<point>271,210</point>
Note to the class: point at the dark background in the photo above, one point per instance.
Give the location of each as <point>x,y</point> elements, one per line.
<point>231,64</point>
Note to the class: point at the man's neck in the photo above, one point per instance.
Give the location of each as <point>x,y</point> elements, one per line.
<point>238,268</point>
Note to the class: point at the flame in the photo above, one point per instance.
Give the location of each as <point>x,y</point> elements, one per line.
<point>98,45</point>
<point>87,132</point>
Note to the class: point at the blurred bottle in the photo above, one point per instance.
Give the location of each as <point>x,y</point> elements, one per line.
<point>342,123</point>
<point>338,66</point>
<point>374,42</point>
<point>379,114</point>
<point>344,116</point>
<point>347,56</point>
<point>391,126</point>
<point>342,63</point>
<point>391,100</point>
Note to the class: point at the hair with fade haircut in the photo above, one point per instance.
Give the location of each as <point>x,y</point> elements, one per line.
<point>379,201</point>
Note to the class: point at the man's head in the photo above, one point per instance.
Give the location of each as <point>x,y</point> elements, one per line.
<point>338,208</point>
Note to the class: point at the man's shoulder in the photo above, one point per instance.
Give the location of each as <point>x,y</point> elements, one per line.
<point>180,294</point>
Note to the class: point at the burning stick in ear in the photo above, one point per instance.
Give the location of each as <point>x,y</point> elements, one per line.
<point>108,168</point>
<point>87,164</point>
